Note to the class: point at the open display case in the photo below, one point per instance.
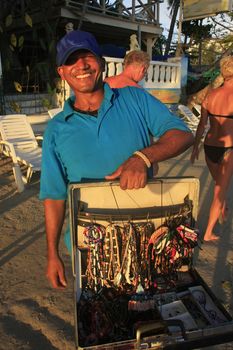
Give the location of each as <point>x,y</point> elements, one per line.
<point>135,284</point>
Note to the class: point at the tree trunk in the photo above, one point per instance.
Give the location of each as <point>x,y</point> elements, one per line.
<point>171,29</point>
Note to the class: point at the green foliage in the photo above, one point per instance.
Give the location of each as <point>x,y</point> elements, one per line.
<point>210,75</point>
<point>14,44</point>
<point>50,90</point>
<point>15,106</point>
<point>21,41</point>
<point>158,47</point>
<point>227,39</point>
<point>46,103</point>
<point>28,20</point>
<point>197,30</point>
<point>13,40</point>
<point>8,21</point>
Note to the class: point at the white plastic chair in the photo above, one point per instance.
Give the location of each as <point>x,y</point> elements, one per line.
<point>54,111</point>
<point>19,142</point>
<point>189,118</point>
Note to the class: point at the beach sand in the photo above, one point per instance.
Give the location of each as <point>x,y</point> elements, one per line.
<point>33,316</point>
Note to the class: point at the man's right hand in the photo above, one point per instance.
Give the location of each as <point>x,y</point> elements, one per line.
<point>56,273</point>
<point>132,174</point>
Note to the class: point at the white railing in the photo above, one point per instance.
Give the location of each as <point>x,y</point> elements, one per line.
<point>113,66</point>
<point>160,74</point>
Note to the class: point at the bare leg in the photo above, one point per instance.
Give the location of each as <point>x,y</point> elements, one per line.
<point>222,174</point>
<point>214,171</point>
<point>223,215</point>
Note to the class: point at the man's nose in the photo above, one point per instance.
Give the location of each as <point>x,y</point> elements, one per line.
<point>82,63</point>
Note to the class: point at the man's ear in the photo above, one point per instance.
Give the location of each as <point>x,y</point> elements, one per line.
<point>145,69</point>
<point>60,72</point>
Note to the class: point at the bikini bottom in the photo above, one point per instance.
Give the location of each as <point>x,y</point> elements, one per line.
<point>216,154</point>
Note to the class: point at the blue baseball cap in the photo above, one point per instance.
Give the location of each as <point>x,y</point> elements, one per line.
<point>73,41</point>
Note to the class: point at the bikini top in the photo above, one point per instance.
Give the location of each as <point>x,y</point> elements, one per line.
<point>220,115</point>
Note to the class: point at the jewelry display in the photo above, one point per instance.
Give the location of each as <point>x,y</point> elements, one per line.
<point>127,263</point>
<point>124,255</point>
<point>135,285</point>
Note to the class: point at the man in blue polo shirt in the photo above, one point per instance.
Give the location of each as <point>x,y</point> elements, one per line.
<point>101,133</point>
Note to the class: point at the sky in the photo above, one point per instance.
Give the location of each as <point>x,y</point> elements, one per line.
<point>164,15</point>
<point>165,20</point>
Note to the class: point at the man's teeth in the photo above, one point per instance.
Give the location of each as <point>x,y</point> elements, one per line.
<point>81,76</point>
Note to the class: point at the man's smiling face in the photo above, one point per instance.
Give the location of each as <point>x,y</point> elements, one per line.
<point>83,71</point>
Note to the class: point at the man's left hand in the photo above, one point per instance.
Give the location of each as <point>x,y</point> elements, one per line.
<point>132,174</point>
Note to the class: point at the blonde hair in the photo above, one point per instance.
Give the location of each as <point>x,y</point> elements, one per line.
<point>137,57</point>
<point>226,66</point>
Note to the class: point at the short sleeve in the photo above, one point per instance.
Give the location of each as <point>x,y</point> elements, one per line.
<point>53,182</point>
<point>159,118</point>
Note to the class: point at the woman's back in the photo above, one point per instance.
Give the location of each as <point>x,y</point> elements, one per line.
<point>219,105</point>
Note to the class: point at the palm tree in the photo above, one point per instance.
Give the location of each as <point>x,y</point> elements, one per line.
<point>173,5</point>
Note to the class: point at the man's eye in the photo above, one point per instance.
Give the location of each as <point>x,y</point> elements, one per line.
<point>72,60</point>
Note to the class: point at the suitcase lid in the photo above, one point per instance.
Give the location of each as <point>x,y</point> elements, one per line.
<point>107,202</point>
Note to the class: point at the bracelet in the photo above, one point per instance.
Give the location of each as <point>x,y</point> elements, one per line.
<point>143,157</point>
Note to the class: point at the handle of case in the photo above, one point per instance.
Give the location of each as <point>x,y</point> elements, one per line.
<point>158,327</point>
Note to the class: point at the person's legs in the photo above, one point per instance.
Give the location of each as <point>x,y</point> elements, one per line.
<point>213,168</point>
<point>214,171</point>
<point>222,174</point>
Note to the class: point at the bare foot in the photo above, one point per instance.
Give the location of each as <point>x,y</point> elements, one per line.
<point>211,237</point>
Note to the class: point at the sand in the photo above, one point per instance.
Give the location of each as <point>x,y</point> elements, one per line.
<point>33,316</point>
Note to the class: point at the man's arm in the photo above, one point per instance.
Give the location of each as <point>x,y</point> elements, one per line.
<point>133,172</point>
<point>171,144</point>
<point>54,219</point>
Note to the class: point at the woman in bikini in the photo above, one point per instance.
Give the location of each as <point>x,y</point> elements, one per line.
<point>217,108</point>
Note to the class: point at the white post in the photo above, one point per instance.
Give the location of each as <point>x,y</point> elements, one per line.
<point>149,45</point>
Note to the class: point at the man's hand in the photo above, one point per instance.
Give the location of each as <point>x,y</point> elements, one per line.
<point>56,273</point>
<point>132,174</point>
